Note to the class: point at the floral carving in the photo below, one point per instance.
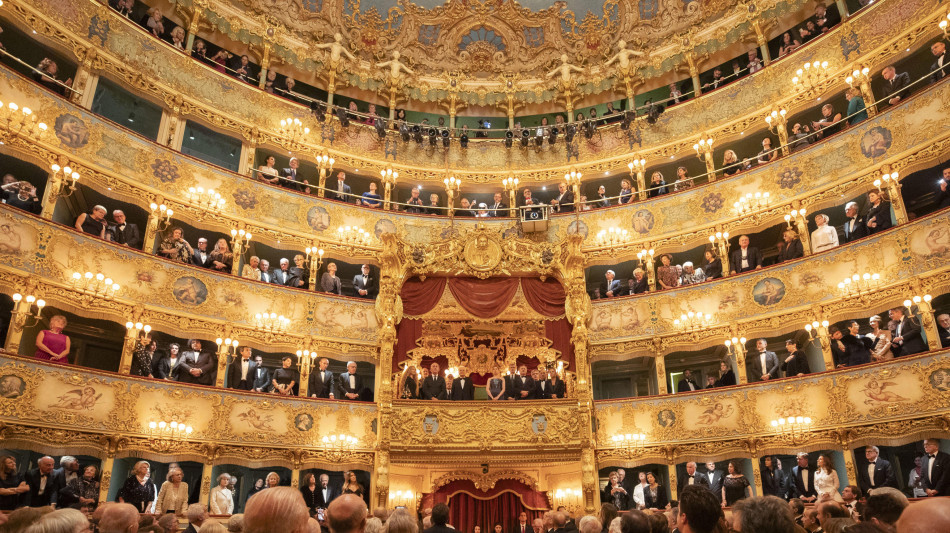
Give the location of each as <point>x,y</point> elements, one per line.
<point>245,199</point>
<point>789,178</point>
<point>165,171</point>
<point>713,202</point>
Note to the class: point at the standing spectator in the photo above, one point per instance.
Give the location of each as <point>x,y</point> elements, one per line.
<point>221,259</point>
<point>371,198</point>
<point>731,164</point>
<point>799,139</point>
<point>267,173</point>
<point>657,185</point>
<point>40,481</point>
<point>712,268</point>
<point>414,203</point>
<point>48,69</point>
<point>252,269</point>
<point>12,484</point>
<point>222,501</point>
<point>123,232</point>
<point>175,247</point>
<point>876,473</point>
<point>683,181</point>
<point>610,287</point>
<point>329,282</point>
<point>735,486</point>
<point>699,512</point>
<point>878,217</point>
<point>197,367</point>
<point>173,496</point>
<point>789,44</point>
<point>291,179</point>
<point>84,489</point>
<point>895,85</point>
<point>138,489</point>
<point>935,469</point>
<point>825,18</point>
<point>284,379</point>
<point>167,367</point>
<point>828,124</point>
<point>793,246</point>
<point>767,154</point>
<point>796,364</point>
<point>943,195</point>
<point>20,194</point>
<point>142,355</point>
<point>856,109</point>
<point>626,193</point>
<point>153,22</point>
<point>93,223</point>
<point>299,275</point>
<point>52,344</point>
<point>755,64</point>
<point>939,68</point>
<point>825,237</point>
<point>727,377</point>
<point>178,38</point>
<point>746,258</point>
<point>364,284</point>
<point>666,274</point>
<point>773,479</point>
<point>854,228</point>
<point>343,190</point>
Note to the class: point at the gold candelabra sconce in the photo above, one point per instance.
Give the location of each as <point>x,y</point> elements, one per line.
<point>134,329</point>
<point>209,200</point>
<point>295,131</point>
<point>944,22</point>
<point>922,303</point>
<point>324,165</point>
<point>645,257</point>
<point>888,180</point>
<point>720,243</point>
<point>23,310</point>
<point>858,284</point>
<point>704,151</point>
<point>239,243</point>
<point>613,236</point>
<point>810,75</point>
<point>97,285</point>
<point>401,498</point>
<point>777,121</point>
<point>693,321</point>
<point>858,76</point>
<point>511,186</point>
<point>638,171</point>
<point>736,347</point>
<point>452,186</point>
<point>389,177</point>
<point>630,443</point>
<point>162,216</point>
<point>21,121</point>
<point>63,181</point>
<point>793,429</point>
<point>452,370</point>
<point>793,215</point>
<point>571,499</point>
<point>168,436</point>
<point>314,256</point>
<point>752,202</point>
<point>306,361</point>
<point>227,348</point>
<point>337,446</point>
<point>353,235</point>
<point>271,322</point>
<point>573,180</point>
<point>819,330</point>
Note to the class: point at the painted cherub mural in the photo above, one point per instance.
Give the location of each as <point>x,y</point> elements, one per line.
<point>78,399</point>
<point>875,393</point>
<point>716,413</point>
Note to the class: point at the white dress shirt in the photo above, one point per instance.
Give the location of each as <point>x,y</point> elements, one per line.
<point>871,473</point>
<point>245,364</point>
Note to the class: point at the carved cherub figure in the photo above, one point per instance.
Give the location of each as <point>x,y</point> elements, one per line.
<point>336,50</point>
<point>623,56</point>
<point>396,68</point>
<point>565,71</point>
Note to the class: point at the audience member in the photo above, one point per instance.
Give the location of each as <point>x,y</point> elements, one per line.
<point>347,514</point>
<point>825,237</point>
<point>699,510</point>
<point>854,228</point>
<point>895,86</point>
<point>878,217</point>
<point>943,195</point>
<point>687,384</point>
<point>291,178</point>
<point>800,137</point>
<point>789,44</point>
<point>222,500</point>
<point>762,514</point>
<point>666,274</point>
<point>856,107</point>
<point>364,283</point>
<point>138,489</point>
<point>414,203</point>
<point>610,287</point>
<point>371,198</point>
<point>330,282</point>
<point>828,124</point>
<point>796,364</point>
<point>906,338</point>
<point>657,185</point>
<point>52,344</point>
<point>833,517</point>
<point>746,258</point>
<point>299,274</point>
<point>765,363</point>
<point>726,376</point>
<point>278,510</point>
<point>926,516</point>
<point>267,173</point>
<point>197,366</point>
<point>884,506</point>
<point>935,469</point>
<point>350,384</point>
<point>876,473</point>
<point>20,194</point>
<point>284,379</point>
<point>792,249</point>
<point>48,69</point>
<point>802,483</point>
<point>173,496</point>
<point>175,247</point>
<point>93,223</point>
<point>691,275</point>
<point>123,232</point>
<point>119,518</point>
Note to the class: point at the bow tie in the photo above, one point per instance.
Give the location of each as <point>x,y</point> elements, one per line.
<point>933,456</point>
<point>872,462</point>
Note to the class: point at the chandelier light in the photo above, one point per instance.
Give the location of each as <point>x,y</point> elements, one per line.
<point>271,322</point>
<point>95,284</point>
<point>857,284</point>
<point>612,236</point>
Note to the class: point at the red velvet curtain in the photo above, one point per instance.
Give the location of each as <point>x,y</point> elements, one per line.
<point>418,298</point>
<point>484,298</point>
<point>546,297</point>
<point>470,507</point>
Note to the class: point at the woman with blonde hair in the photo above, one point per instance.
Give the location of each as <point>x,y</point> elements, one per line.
<point>178,38</point>
<point>730,163</point>
<point>793,248</point>
<point>881,337</point>
<point>373,525</point>
<point>52,344</point>
<point>221,258</point>
<point>138,489</point>
<point>213,526</point>
<point>222,502</point>
<point>276,510</point>
<point>61,521</point>
<point>272,480</point>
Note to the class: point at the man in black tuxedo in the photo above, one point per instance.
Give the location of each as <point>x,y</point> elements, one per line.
<point>497,207</point>
<point>325,493</point>
<point>695,478</point>
<point>511,391</point>
<point>68,470</point>
<point>433,386</point>
<point>349,385</point>
<point>292,179</point>
<point>713,480</point>
<point>859,346</point>
<point>283,275</point>
<point>261,381</point>
<point>746,258</point>
<point>524,385</point>
<point>687,384</point>
<point>876,473</point>
<point>943,329</point>
<point>765,363</point>
<point>342,189</point>
<point>40,480</point>
<point>197,366</point>
<point>895,85</point>
<point>564,203</point>
<point>364,284</point>
<point>935,469</point>
<point>854,228</point>
<point>939,68</point>
<point>802,485</point>
<point>201,257</point>
<point>553,388</point>
<point>242,371</point>
<point>611,287</point>
<point>123,232</point>
<point>462,389</point>
<point>905,334</point>
<point>320,383</point>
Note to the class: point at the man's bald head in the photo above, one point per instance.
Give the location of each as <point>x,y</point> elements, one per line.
<point>347,514</point>
<point>560,518</point>
<point>119,518</point>
<point>925,516</point>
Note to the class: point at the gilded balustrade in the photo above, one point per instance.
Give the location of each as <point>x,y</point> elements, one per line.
<point>137,170</point>
<point>123,49</point>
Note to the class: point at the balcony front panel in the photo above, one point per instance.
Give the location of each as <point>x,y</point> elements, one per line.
<point>172,293</point>
<point>770,298</point>
<point>901,137</point>
<point>193,89</point>
<point>76,401</point>
<point>740,417</point>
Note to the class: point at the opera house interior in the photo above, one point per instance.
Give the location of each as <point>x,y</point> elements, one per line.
<point>516,266</point>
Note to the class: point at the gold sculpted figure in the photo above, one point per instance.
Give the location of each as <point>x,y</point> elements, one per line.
<point>396,68</point>
<point>565,71</point>
<point>336,50</point>
<point>622,57</point>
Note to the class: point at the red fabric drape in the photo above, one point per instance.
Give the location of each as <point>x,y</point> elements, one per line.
<point>559,332</point>
<point>546,297</point>
<point>470,507</point>
<point>419,297</point>
<point>484,298</point>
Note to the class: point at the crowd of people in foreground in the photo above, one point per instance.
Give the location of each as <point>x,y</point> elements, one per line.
<point>283,510</point>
